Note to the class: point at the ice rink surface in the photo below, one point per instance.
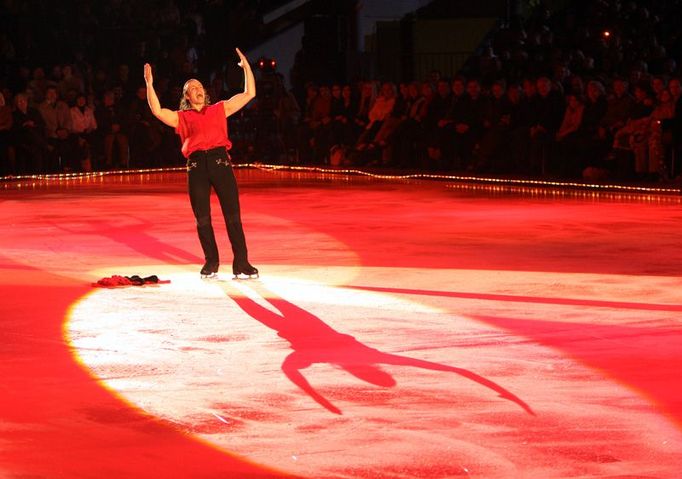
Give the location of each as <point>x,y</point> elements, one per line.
<point>399,329</point>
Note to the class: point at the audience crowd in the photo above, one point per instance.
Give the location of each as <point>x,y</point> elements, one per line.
<point>590,92</point>
<point>72,94</point>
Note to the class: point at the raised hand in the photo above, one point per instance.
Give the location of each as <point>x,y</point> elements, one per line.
<point>237,101</point>
<point>148,78</point>
<point>243,61</point>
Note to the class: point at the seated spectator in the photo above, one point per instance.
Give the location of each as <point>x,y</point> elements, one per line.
<point>111,130</point>
<point>71,153</point>
<point>368,95</point>
<point>675,89</point>
<point>28,137</point>
<point>38,86</point>
<point>462,127</point>
<point>409,133</point>
<point>663,111</point>
<point>83,124</point>
<point>497,123</point>
<point>216,88</point>
<point>524,116</point>
<point>321,125</point>
<point>672,132</point>
<point>380,111</point>
<point>439,119</point>
<point>569,149</point>
<point>471,126</point>
<point>595,148</point>
<point>573,117</point>
<point>69,82</point>
<point>83,127</point>
<point>386,136</point>
<point>658,84</point>
<point>307,126</point>
<point>342,111</point>
<point>576,85</point>
<point>410,138</point>
<point>632,139</point>
<point>288,115</point>
<point>453,129</point>
<point>56,115</point>
<point>618,109</point>
<point>143,131</point>
<point>546,121</point>
<point>7,165</point>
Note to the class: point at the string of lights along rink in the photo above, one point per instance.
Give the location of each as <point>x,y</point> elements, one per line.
<point>403,326</point>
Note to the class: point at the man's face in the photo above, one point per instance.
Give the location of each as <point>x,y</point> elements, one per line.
<point>458,87</point>
<point>414,90</point>
<point>544,87</point>
<point>22,102</point>
<point>195,93</point>
<point>473,89</point>
<point>619,88</point>
<point>640,94</point>
<point>51,95</point>
<point>593,92</point>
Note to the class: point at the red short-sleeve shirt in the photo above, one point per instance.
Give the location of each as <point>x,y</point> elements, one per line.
<point>203,130</point>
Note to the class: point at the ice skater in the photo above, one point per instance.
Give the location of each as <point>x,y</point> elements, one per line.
<point>202,128</point>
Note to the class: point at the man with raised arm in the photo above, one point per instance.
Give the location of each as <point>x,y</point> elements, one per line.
<point>205,144</point>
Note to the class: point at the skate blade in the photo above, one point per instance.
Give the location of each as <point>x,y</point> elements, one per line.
<point>209,276</point>
<point>243,276</point>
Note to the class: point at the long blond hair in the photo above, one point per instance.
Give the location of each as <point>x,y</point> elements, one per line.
<point>184,104</point>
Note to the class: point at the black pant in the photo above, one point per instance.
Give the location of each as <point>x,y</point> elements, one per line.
<point>212,168</point>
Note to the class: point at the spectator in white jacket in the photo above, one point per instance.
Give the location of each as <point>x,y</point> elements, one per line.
<point>83,127</point>
<point>83,121</point>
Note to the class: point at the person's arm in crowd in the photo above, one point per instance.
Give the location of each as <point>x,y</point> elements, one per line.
<point>238,101</point>
<point>167,116</point>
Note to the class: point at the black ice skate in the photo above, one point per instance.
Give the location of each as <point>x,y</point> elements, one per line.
<point>244,271</point>
<point>210,270</point>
